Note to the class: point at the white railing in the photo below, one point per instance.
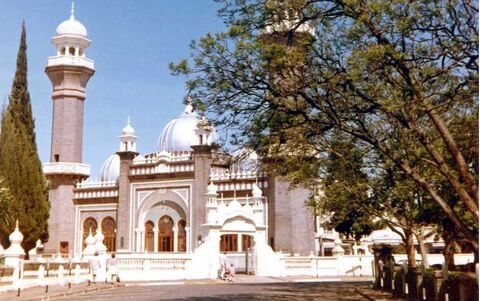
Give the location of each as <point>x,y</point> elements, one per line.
<point>96,184</point>
<point>217,174</point>
<point>230,186</point>
<point>161,168</point>
<point>70,60</point>
<point>148,267</point>
<point>328,266</point>
<point>66,168</point>
<point>96,194</point>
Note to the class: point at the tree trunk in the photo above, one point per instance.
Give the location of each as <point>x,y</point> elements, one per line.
<point>410,248</point>
<point>449,250</point>
<point>421,247</point>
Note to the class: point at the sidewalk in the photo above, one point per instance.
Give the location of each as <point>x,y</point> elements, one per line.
<point>38,292</point>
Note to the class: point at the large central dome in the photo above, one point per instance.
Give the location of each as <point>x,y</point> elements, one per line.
<point>179,134</point>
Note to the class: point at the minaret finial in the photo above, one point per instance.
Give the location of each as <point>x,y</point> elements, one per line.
<point>72,10</point>
<point>128,120</point>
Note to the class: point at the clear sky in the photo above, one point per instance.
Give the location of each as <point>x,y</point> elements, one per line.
<point>132,43</point>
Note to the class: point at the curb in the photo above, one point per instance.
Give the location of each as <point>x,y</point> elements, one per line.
<point>67,293</point>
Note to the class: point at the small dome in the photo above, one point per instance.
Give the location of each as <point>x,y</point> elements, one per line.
<point>90,240</point>
<point>179,134</point>
<point>110,169</point>
<point>72,26</point>
<point>256,191</point>
<point>16,236</point>
<point>128,130</point>
<point>212,189</point>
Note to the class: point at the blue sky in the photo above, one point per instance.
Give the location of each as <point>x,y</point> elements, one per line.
<point>132,43</point>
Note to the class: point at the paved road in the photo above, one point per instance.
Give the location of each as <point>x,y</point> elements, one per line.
<point>285,291</point>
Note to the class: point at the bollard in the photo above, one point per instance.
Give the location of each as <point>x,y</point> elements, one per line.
<point>18,292</point>
<point>69,284</point>
<point>46,288</point>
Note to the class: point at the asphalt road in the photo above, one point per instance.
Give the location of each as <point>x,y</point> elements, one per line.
<point>285,291</point>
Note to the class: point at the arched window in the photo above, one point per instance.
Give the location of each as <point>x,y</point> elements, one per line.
<point>149,236</point>
<point>182,236</point>
<point>228,243</point>
<point>108,229</point>
<point>88,223</point>
<point>165,234</point>
<point>62,51</point>
<point>71,50</point>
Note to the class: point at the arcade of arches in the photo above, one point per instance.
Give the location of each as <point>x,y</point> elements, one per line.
<point>109,227</point>
<point>165,236</point>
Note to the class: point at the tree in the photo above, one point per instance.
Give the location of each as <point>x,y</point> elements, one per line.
<point>397,76</point>
<point>19,162</point>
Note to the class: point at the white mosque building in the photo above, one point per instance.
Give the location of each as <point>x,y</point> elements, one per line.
<point>166,201</point>
<point>187,197</point>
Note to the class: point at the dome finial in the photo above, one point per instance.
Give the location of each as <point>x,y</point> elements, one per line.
<point>72,11</point>
<point>128,120</point>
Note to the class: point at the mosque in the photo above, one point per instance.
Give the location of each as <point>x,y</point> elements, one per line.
<point>166,201</point>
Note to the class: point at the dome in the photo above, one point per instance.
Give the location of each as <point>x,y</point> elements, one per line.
<point>179,134</point>
<point>212,189</point>
<point>128,130</point>
<point>256,191</point>
<point>16,236</point>
<point>110,169</point>
<point>72,26</point>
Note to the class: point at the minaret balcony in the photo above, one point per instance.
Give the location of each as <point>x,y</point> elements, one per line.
<point>70,60</point>
<point>66,168</point>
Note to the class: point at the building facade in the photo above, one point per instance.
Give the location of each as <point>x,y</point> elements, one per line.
<point>170,200</point>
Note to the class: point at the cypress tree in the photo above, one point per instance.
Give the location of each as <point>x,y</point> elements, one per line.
<point>20,165</point>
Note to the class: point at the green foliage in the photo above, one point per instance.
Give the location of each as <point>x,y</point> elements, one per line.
<point>401,77</point>
<point>20,165</point>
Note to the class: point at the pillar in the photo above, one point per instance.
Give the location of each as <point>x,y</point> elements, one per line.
<point>155,239</point>
<point>187,238</point>
<point>175,240</point>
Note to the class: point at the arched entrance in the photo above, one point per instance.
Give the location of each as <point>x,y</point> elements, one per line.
<point>88,224</point>
<point>149,236</point>
<point>165,234</point>
<point>108,229</point>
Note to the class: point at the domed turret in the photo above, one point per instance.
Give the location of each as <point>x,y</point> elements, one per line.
<point>72,26</point>
<point>179,134</point>
<point>128,140</point>
<point>110,169</point>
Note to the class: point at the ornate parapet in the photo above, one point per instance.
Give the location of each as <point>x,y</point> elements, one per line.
<point>66,168</point>
<point>70,61</point>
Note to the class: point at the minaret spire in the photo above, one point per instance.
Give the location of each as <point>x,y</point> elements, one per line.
<point>72,11</point>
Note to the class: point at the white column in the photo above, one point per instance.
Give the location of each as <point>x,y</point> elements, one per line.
<point>175,240</point>
<point>137,240</point>
<point>142,241</point>
<point>187,238</point>
<point>239,242</point>
<point>77,51</point>
<point>155,239</point>
<point>67,50</point>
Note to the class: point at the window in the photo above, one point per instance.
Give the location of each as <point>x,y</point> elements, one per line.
<point>149,236</point>
<point>165,234</point>
<point>109,231</point>
<point>56,157</point>
<point>64,247</point>
<point>228,243</point>
<point>71,50</point>
<point>89,223</point>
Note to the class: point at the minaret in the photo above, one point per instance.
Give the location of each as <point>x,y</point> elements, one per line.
<point>69,71</point>
<point>127,152</point>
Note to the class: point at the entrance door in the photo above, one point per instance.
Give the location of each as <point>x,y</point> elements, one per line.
<point>165,234</point>
<point>239,251</point>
